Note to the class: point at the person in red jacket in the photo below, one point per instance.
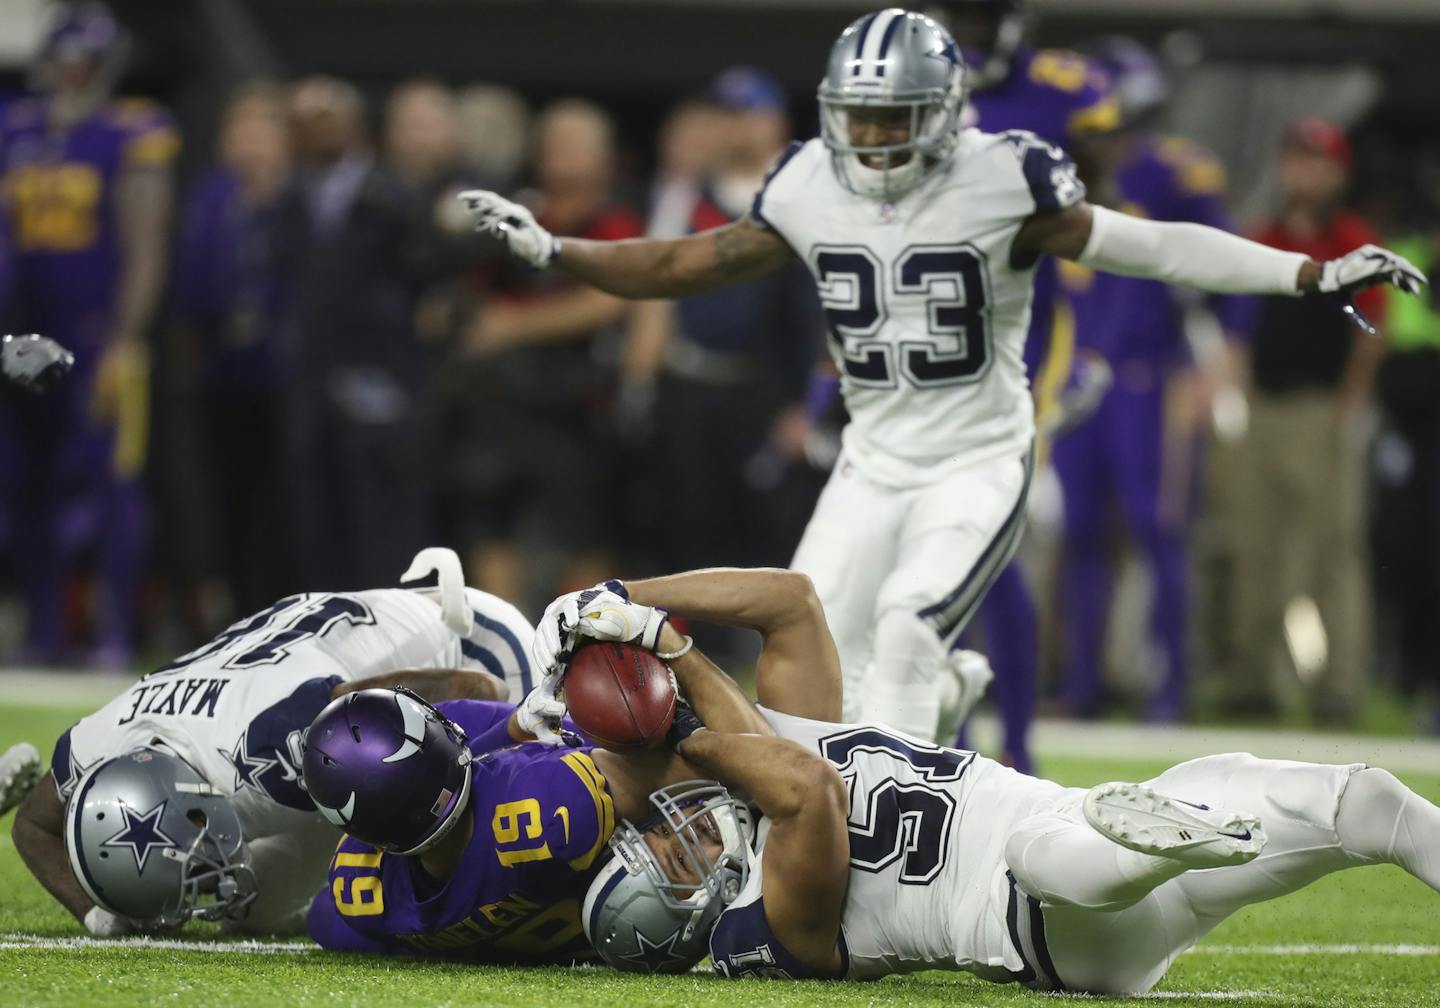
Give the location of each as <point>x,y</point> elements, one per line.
<point>539,460</point>
<point>1300,487</point>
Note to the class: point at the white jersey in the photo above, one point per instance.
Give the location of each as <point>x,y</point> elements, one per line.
<point>928,885</point>
<point>927,314</point>
<point>235,710</point>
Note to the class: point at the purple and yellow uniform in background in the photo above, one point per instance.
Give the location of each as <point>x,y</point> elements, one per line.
<point>1118,461</point>
<point>1062,99</point>
<point>77,476</point>
<point>542,818</point>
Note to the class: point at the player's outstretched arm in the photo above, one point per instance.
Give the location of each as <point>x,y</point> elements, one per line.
<point>637,267</point>
<point>39,836</point>
<point>807,855</point>
<point>1204,257</point>
<point>798,671</point>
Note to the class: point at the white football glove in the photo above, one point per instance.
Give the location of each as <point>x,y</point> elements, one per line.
<point>541,710</point>
<point>1366,266</point>
<point>604,613</point>
<point>513,224</point>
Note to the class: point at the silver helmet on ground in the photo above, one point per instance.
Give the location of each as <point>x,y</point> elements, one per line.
<point>890,102</point>
<point>151,840</point>
<point>652,912</point>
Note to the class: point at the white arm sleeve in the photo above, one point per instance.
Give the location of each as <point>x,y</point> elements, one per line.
<point>1189,254</point>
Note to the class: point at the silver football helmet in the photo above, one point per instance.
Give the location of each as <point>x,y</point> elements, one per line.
<point>150,840</point>
<point>900,71</point>
<point>636,914</point>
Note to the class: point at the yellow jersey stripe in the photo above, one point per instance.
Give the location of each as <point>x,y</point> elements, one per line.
<point>584,768</point>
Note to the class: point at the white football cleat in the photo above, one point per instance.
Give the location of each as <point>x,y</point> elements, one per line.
<point>1135,816</point>
<point>19,770</point>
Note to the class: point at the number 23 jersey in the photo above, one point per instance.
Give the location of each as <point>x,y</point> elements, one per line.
<point>926,313</point>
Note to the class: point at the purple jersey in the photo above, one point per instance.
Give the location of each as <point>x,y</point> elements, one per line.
<point>1054,94</point>
<point>59,195</point>
<point>1133,320</point>
<point>227,286</point>
<point>1061,98</point>
<point>541,817</point>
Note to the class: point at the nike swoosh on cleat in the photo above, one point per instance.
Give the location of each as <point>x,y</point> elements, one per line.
<point>1182,801</point>
<point>1237,836</point>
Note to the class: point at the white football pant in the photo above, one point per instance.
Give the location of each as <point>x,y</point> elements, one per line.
<point>899,573</point>
<point>1115,919</point>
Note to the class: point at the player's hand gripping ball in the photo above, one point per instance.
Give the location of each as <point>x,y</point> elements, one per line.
<point>620,695</point>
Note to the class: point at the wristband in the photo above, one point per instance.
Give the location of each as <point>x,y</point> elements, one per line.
<point>672,655</point>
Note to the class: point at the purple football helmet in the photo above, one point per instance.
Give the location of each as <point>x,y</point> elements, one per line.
<point>1134,73</point>
<point>82,55</point>
<point>388,768</point>
<point>84,31</point>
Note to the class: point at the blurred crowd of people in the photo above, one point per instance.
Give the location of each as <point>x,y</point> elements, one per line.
<point>333,371</point>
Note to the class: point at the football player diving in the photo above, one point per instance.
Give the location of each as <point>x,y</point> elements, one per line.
<point>922,238</point>
<point>182,797</point>
<point>878,853</point>
<point>466,839</point>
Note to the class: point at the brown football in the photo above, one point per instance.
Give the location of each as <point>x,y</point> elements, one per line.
<point>620,695</point>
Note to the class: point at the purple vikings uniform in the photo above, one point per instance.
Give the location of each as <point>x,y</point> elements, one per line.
<point>1057,96</point>
<point>542,818</point>
<point>1117,461</point>
<point>79,480</point>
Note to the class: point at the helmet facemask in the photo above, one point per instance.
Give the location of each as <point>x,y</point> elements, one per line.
<point>641,919</point>
<point>215,885</point>
<point>699,814</point>
<point>887,171</point>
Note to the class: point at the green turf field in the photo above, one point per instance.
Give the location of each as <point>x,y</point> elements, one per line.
<point>1288,953</point>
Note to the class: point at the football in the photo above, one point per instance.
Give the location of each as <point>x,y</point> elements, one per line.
<point>620,695</point>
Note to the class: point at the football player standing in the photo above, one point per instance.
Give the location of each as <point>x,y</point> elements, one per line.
<point>922,238</point>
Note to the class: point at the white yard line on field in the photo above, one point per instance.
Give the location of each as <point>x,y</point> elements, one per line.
<point>28,687</point>
<point>18,940</point>
<point>1298,950</point>
<point>1175,743</point>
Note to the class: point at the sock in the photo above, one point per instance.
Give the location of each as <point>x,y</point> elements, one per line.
<point>1380,819</point>
<point>1062,862</point>
<point>903,686</point>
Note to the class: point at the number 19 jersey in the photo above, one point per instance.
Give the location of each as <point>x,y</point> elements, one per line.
<point>927,314</point>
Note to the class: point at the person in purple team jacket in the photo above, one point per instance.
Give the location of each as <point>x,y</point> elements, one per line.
<point>1129,458</point>
<point>86,184</point>
<point>227,302</point>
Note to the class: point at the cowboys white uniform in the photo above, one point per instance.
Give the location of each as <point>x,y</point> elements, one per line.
<point>929,319</point>
<point>930,886</point>
<point>235,711</point>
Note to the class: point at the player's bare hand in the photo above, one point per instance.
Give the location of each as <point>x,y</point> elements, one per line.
<point>1366,266</point>
<point>511,223</point>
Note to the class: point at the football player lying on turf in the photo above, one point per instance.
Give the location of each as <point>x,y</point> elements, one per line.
<point>922,238</point>
<point>463,842</point>
<point>881,854</point>
<point>182,796</point>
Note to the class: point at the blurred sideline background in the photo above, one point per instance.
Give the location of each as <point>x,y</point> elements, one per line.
<point>325,395</point>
